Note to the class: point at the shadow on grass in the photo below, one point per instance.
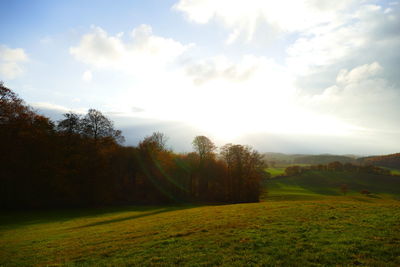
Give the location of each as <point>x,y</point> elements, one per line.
<point>116,220</point>
<point>16,219</point>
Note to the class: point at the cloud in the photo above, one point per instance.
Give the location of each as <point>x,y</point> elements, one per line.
<point>350,73</point>
<point>367,35</point>
<point>337,76</point>
<point>143,52</point>
<point>243,18</point>
<point>359,73</point>
<point>87,76</point>
<point>11,61</point>
<point>221,67</point>
<point>362,98</point>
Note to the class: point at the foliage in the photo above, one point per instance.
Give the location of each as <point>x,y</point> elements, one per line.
<point>80,162</point>
<point>245,170</point>
<point>204,147</point>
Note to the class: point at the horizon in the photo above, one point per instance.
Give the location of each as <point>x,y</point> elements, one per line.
<point>255,73</point>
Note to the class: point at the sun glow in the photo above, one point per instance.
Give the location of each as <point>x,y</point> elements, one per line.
<point>225,107</point>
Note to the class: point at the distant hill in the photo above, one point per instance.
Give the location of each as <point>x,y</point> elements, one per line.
<point>286,159</point>
<point>389,161</point>
<point>323,159</point>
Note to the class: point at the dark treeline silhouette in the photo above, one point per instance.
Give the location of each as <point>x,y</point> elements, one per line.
<point>337,166</point>
<point>80,161</point>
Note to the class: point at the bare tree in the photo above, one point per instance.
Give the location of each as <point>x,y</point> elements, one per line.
<point>156,142</point>
<point>96,125</point>
<point>71,124</point>
<point>204,147</point>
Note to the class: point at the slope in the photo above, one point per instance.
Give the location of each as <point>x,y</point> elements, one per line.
<point>314,184</point>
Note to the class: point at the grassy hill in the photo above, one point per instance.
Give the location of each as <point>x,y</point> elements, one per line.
<point>290,159</point>
<point>314,184</point>
<point>321,228</point>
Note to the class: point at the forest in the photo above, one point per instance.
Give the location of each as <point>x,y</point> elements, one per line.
<point>80,160</point>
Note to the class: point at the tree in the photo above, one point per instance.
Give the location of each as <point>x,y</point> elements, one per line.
<point>157,142</point>
<point>335,166</point>
<point>203,174</point>
<point>71,124</point>
<point>96,125</point>
<point>12,108</point>
<point>245,169</point>
<point>204,147</point>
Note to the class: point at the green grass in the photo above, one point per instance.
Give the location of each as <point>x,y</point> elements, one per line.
<point>392,171</point>
<point>330,231</point>
<point>280,170</point>
<point>314,184</point>
<point>275,171</point>
<point>395,172</point>
<point>304,221</point>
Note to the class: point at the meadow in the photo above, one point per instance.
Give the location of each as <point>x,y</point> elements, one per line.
<point>275,171</point>
<point>301,221</point>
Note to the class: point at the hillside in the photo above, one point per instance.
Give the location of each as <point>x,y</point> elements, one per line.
<point>322,227</point>
<point>313,184</point>
<point>389,161</point>
<point>327,231</point>
<point>322,159</point>
<point>288,159</point>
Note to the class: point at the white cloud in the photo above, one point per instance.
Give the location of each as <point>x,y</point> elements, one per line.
<point>350,51</point>
<point>87,76</point>
<point>367,35</point>
<point>145,51</point>
<point>11,61</point>
<point>221,67</point>
<point>244,17</point>
<point>360,97</point>
<point>359,73</point>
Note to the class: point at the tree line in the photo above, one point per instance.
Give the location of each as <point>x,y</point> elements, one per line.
<point>80,161</point>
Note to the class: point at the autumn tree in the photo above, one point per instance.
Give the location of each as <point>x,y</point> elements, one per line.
<point>79,162</point>
<point>201,177</point>
<point>204,147</point>
<point>95,125</point>
<point>245,168</point>
<point>157,142</point>
<point>71,124</point>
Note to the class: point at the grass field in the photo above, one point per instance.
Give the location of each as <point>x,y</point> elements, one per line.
<point>314,184</point>
<point>275,171</point>
<point>298,225</point>
<point>393,171</point>
<point>280,170</point>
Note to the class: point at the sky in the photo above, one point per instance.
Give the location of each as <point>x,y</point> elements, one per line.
<point>306,76</point>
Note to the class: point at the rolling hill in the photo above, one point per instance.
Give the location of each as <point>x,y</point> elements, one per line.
<point>289,159</point>
<point>322,227</point>
<point>389,161</point>
<point>330,231</point>
<point>312,184</point>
